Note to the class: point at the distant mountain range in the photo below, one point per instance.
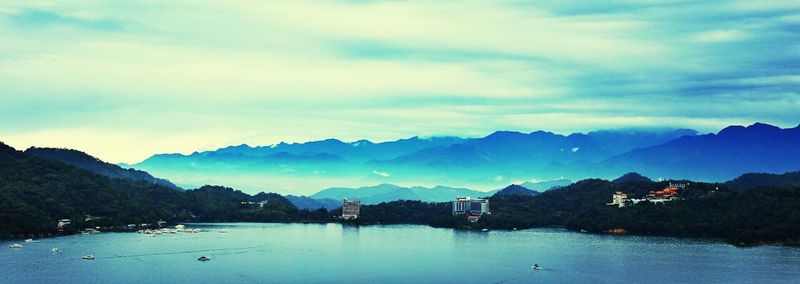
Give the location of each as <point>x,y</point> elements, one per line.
<point>35,193</point>
<point>85,161</point>
<point>731,152</point>
<point>390,192</point>
<point>305,202</point>
<point>489,162</point>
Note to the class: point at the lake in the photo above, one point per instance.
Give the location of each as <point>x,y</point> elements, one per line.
<point>255,252</point>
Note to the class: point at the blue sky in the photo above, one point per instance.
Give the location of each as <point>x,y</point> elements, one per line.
<point>123,81</point>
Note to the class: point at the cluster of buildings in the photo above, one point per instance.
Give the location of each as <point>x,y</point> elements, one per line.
<point>259,204</point>
<point>474,208</point>
<point>350,209</point>
<point>670,193</point>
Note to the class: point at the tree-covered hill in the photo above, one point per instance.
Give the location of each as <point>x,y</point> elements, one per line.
<point>754,180</point>
<point>759,215</point>
<point>87,162</point>
<point>35,193</point>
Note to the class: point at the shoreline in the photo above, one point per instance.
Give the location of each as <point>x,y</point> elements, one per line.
<point>122,229</point>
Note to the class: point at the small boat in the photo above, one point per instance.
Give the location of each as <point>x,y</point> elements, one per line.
<point>484,230</point>
<point>88,257</point>
<point>15,246</point>
<point>223,231</point>
<point>29,240</point>
<point>203,258</point>
<point>55,250</point>
<point>88,231</point>
<point>536,267</point>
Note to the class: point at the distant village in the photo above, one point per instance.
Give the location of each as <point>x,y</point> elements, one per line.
<point>472,208</point>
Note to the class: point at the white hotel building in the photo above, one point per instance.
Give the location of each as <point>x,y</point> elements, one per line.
<point>470,206</point>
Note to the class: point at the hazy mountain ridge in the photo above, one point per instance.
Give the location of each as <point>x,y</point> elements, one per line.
<point>494,160</point>
<point>87,162</point>
<point>516,189</point>
<point>542,186</point>
<point>305,202</point>
<point>756,180</point>
<point>733,151</point>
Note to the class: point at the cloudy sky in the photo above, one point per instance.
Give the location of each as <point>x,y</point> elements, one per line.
<point>123,81</point>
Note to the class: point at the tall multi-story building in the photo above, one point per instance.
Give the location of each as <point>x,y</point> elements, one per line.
<point>471,206</point>
<point>350,209</point>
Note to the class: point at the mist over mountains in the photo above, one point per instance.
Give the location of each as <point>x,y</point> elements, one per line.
<point>489,162</point>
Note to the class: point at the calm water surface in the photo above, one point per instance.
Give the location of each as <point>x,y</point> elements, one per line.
<point>390,254</point>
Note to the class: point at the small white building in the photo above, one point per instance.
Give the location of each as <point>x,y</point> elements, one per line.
<point>63,222</point>
<point>471,206</point>
<point>350,209</point>
<point>618,198</point>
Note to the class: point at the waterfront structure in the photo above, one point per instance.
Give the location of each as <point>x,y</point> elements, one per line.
<point>63,222</point>
<point>470,206</point>
<point>350,209</point>
<point>618,199</point>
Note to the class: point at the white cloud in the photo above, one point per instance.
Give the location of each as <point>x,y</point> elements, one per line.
<point>260,73</point>
<point>719,36</point>
<point>382,174</point>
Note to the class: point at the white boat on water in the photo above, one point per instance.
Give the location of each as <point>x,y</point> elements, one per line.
<point>88,257</point>
<point>88,231</point>
<point>55,250</point>
<point>29,240</point>
<point>16,246</point>
<point>203,258</point>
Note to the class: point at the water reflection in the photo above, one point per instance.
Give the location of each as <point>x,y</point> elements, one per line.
<point>389,254</point>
